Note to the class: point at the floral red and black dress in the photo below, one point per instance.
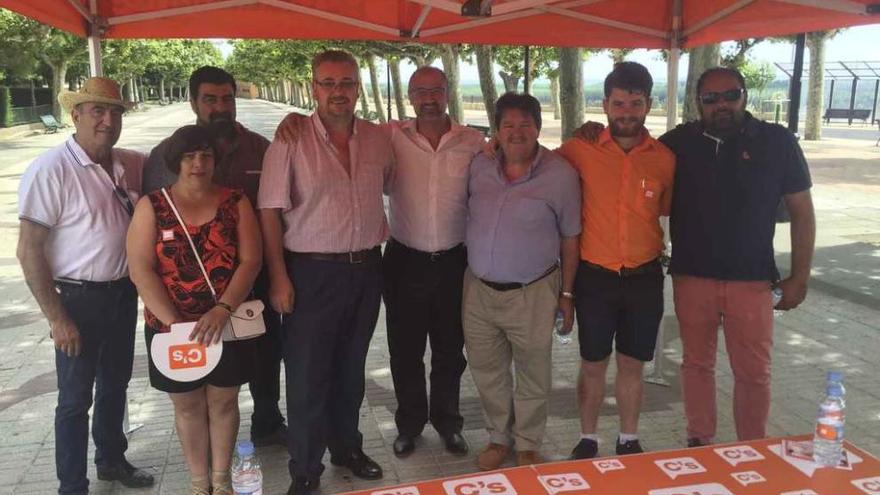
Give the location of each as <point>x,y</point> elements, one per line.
<point>217,243</point>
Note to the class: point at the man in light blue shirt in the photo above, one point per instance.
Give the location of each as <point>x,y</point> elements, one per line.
<point>524,218</point>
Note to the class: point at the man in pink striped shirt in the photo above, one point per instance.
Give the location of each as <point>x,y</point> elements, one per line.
<point>323,220</point>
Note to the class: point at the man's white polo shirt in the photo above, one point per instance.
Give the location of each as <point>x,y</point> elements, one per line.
<point>76,200</point>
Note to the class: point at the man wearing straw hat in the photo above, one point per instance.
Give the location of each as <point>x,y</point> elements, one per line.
<point>75,204</point>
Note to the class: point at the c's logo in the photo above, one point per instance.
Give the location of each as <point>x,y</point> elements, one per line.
<point>871,486</point>
<point>739,454</point>
<point>191,355</point>
<point>403,490</point>
<point>490,484</point>
<point>606,465</point>
<point>680,466</point>
<point>567,482</point>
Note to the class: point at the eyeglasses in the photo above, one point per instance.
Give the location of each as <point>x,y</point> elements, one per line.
<point>715,97</point>
<point>423,92</point>
<point>342,85</point>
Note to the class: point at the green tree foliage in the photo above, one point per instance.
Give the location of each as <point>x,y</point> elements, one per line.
<point>758,76</point>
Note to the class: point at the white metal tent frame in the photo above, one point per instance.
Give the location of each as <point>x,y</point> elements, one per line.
<point>507,11</point>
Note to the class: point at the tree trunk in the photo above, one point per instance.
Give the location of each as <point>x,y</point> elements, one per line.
<point>450,57</point>
<point>571,89</point>
<point>33,93</point>
<point>816,88</point>
<point>487,81</point>
<point>59,75</point>
<point>511,82</point>
<point>162,88</point>
<point>398,88</point>
<point>699,59</point>
<point>554,96</point>
<point>365,105</point>
<point>374,86</point>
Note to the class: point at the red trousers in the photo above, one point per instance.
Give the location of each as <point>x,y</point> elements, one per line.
<point>745,310</point>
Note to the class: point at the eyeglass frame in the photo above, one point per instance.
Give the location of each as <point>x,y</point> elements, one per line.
<point>331,85</point>
<point>729,96</point>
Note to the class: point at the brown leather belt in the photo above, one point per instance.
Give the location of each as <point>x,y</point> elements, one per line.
<point>350,258</point>
<point>506,286</point>
<point>628,272</point>
<point>394,244</point>
<point>88,284</point>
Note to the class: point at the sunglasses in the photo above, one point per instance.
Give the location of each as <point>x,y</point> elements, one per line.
<point>715,97</point>
<point>123,198</point>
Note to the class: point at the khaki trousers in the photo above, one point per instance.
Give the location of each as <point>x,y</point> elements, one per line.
<point>501,328</point>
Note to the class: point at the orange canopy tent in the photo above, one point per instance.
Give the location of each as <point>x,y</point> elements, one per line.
<point>671,24</point>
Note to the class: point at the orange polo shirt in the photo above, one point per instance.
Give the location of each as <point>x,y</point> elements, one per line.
<point>624,196</point>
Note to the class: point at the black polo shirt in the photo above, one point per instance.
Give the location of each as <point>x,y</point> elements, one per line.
<point>726,193</point>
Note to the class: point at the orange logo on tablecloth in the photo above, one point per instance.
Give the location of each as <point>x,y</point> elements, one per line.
<point>703,489</point>
<point>746,478</point>
<point>606,465</point>
<point>490,484</point>
<point>738,454</point>
<point>559,483</point>
<point>184,356</point>
<point>871,486</point>
<point>680,466</point>
<point>403,490</point>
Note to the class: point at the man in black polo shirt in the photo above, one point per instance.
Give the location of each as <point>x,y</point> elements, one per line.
<point>732,170</point>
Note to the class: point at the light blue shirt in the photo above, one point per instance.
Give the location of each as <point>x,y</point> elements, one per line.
<point>514,228</point>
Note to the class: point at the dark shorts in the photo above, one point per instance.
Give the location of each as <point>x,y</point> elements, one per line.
<point>235,368</point>
<point>623,309</point>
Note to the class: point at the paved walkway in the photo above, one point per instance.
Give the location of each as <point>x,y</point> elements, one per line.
<point>837,328</point>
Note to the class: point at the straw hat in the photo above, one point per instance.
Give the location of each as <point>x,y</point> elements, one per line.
<point>94,90</point>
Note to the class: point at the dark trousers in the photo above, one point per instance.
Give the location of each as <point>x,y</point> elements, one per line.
<point>106,318</point>
<point>422,296</point>
<point>265,386</point>
<point>326,340</point>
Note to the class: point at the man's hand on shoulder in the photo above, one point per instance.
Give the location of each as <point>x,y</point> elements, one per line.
<point>291,128</point>
<point>589,131</point>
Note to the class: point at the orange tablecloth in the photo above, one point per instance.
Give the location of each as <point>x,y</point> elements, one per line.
<point>744,468</point>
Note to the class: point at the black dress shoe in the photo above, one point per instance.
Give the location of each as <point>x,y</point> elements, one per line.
<point>455,443</point>
<point>299,486</point>
<point>128,475</point>
<point>404,445</point>
<point>360,465</point>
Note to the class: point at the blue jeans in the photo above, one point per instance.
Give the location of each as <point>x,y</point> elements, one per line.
<point>106,317</point>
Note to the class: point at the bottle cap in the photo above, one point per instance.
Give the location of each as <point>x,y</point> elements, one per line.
<point>245,447</point>
<point>834,376</point>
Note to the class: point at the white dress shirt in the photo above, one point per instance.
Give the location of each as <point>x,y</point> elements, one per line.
<point>428,196</point>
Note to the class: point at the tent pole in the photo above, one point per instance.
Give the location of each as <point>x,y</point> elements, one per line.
<point>672,66</point>
<point>96,65</point>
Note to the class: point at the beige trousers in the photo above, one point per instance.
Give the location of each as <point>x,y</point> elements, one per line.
<point>507,327</point>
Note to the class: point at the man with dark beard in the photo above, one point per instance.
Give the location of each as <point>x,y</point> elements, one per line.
<point>238,165</point>
<point>732,171</point>
<point>626,181</point>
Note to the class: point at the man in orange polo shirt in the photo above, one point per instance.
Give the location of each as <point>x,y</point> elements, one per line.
<point>626,181</point>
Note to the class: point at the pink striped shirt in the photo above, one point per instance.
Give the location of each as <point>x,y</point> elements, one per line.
<point>325,210</point>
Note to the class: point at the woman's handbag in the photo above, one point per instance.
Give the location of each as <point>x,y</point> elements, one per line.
<point>246,322</point>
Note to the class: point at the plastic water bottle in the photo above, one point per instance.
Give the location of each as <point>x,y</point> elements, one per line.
<point>563,338</point>
<point>828,438</point>
<point>777,296</point>
<point>247,478</point>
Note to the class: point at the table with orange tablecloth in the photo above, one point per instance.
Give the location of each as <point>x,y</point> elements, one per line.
<point>743,468</point>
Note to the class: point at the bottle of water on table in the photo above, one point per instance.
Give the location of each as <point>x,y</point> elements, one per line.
<point>247,477</point>
<point>828,437</point>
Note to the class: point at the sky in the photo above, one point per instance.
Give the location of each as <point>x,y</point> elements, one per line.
<point>857,43</point>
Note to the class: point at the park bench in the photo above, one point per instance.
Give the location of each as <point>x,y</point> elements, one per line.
<point>845,113</point>
<point>50,125</point>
